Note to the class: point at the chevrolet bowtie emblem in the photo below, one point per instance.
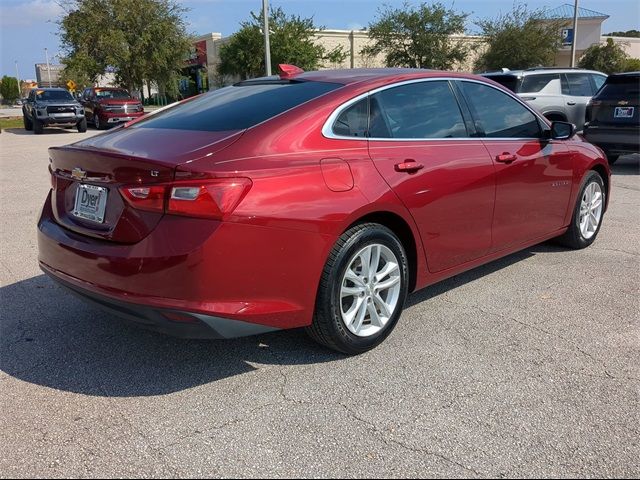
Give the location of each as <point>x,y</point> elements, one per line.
<point>78,174</point>
<point>623,102</point>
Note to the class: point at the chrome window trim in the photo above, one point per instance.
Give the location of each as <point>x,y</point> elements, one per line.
<point>327,128</point>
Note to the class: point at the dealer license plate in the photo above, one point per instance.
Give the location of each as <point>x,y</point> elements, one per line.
<point>91,203</point>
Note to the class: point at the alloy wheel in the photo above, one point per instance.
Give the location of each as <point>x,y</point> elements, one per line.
<point>591,207</point>
<point>370,290</point>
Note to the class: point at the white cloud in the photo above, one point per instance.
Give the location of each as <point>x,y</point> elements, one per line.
<point>29,13</point>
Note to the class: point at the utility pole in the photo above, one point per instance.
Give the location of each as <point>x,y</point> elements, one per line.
<point>46,52</point>
<point>18,77</point>
<point>267,46</point>
<point>575,35</point>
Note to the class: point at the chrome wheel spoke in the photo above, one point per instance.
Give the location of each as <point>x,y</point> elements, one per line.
<point>370,290</point>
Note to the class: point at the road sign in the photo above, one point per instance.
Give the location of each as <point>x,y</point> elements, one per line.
<point>71,85</point>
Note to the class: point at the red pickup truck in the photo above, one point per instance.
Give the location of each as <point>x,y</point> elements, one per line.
<point>106,106</point>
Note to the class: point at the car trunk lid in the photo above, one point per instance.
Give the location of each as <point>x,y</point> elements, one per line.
<point>94,169</point>
<point>618,103</point>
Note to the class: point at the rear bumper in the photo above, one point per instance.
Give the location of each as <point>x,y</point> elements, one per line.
<point>204,268</point>
<point>170,322</point>
<point>614,140</point>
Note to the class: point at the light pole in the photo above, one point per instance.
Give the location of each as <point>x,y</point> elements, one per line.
<point>575,35</point>
<point>265,26</point>
<point>18,78</point>
<point>46,52</point>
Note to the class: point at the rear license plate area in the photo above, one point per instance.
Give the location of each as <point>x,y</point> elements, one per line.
<point>90,203</point>
<point>623,112</point>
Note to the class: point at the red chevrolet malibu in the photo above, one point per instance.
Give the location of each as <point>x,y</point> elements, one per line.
<point>315,200</point>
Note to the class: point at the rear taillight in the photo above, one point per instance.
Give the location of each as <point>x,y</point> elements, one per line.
<point>149,198</point>
<point>213,198</point>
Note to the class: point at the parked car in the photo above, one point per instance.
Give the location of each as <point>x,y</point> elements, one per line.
<point>52,107</point>
<point>107,107</point>
<point>558,93</point>
<point>612,119</point>
<point>314,200</point>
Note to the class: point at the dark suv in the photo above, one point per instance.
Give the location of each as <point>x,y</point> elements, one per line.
<point>612,119</point>
<point>110,106</point>
<point>52,107</point>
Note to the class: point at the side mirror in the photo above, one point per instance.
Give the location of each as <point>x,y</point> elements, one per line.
<point>562,130</point>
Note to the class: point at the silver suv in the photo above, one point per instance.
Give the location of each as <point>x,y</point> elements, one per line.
<point>558,93</point>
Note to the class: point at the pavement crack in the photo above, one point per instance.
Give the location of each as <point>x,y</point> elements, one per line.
<point>386,438</point>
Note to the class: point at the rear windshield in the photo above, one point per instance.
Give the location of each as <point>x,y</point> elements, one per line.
<point>509,81</point>
<point>112,94</point>
<point>623,88</point>
<point>238,107</point>
<point>53,95</point>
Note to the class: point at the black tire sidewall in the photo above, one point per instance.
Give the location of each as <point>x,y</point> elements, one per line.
<point>575,223</point>
<point>369,235</point>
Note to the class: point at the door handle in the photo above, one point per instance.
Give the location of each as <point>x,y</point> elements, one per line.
<point>409,166</point>
<point>506,157</point>
<point>571,103</point>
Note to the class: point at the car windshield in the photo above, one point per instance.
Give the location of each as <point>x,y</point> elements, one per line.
<point>47,95</point>
<point>112,94</point>
<point>239,106</point>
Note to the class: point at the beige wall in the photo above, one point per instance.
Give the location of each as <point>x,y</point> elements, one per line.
<point>353,41</point>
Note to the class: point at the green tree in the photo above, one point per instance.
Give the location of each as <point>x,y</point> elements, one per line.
<point>418,36</point>
<point>9,89</point>
<point>632,65</point>
<point>519,39</point>
<point>628,33</point>
<point>291,40</point>
<point>140,39</point>
<point>607,58</point>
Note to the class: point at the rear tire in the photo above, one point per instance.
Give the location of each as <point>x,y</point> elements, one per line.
<point>374,307</point>
<point>38,127</point>
<point>580,235</point>
<point>82,125</point>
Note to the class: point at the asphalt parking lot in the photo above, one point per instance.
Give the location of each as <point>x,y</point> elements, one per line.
<point>526,367</point>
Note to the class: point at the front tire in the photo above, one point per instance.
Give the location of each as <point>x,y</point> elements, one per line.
<point>82,125</point>
<point>28,125</point>
<point>587,213</point>
<point>362,291</point>
<point>97,122</point>
<point>38,126</point>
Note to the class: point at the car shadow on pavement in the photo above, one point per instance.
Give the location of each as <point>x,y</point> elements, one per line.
<point>46,131</point>
<point>627,165</point>
<point>50,337</point>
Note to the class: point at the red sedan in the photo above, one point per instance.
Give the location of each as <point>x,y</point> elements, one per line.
<point>314,200</point>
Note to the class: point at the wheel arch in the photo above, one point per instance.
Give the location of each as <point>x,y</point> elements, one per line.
<point>401,228</point>
<point>602,171</point>
<point>561,116</point>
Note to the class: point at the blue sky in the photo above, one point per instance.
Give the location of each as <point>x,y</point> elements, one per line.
<point>28,26</point>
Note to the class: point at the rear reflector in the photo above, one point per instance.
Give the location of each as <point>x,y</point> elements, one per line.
<point>211,198</point>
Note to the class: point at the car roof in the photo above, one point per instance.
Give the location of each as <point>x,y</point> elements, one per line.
<point>539,70</point>
<point>350,76</point>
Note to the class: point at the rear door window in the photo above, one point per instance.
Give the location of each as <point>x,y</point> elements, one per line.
<point>498,115</point>
<point>537,83</point>
<point>598,81</point>
<point>237,107</point>
<point>416,110</point>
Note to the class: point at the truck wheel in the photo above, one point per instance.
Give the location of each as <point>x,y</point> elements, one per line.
<point>28,125</point>
<point>96,121</point>
<point>38,127</point>
<point>82,125</point>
